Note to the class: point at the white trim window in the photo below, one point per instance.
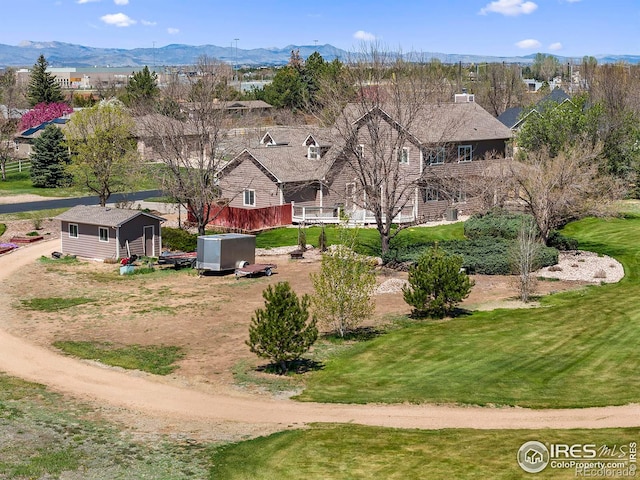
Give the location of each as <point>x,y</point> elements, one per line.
<point>249,198</point>
<point>465,153</point>
<point>360,151</point>
<point>73,230</point>
<point>103,234</point>
<point>430,194</point>
<point>436,156</point>
<point>314,152</point>
<point>403,155</point>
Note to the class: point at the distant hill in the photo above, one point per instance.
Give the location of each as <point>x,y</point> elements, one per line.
<point>70,55</point>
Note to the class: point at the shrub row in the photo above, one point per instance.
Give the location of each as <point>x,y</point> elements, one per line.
<point>487,256</point>
<point>179,239</point>
<point>495,223</point>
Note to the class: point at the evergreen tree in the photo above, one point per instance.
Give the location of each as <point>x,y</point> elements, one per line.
<point>282,331</point>
<point>49,159</point>
<point>142,89</point>
<point>42,86</point>
<point>436,284</point>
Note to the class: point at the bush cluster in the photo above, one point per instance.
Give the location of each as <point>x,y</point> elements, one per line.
<point>491,256</point>
<point>490,238</point>
<point>179,239</point>
<point>486,255</point>
<point>495,223</point>
<point>559,241</point>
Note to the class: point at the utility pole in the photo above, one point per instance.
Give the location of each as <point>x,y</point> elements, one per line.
<point>235,61</point>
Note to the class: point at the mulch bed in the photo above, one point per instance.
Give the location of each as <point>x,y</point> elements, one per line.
<point>26,239</point>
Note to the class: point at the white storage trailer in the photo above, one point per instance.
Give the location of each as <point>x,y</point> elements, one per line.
<point>225,251</point>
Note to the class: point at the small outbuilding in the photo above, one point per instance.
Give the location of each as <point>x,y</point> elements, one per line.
<point>107,232</point>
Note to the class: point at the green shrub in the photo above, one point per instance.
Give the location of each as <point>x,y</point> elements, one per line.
<point>559,241</point>
<point>282,331</point>
<point>436,284</point>
<point>495,223</point>
<point>485,255</point>
<point>179,239</point>
<point>3,228</point>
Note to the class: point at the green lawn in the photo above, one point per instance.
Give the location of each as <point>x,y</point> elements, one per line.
<point>20,183</point>
<point>368,238</point>
<point>156,359</point>
<point>579,349</point>
<point>357,452</point>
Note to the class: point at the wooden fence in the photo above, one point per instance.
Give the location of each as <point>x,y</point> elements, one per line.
<point>16,166</point>
<point>250,220</point>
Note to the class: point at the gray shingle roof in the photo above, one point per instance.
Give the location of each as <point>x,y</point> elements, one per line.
<point>105,216</point>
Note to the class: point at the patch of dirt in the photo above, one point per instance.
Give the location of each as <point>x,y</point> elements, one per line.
<point>209,316</point>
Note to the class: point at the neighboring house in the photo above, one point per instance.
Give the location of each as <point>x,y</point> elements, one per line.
<point>105,232</point>
<point>306,166</point>
<point>514,117</point>
<point>24,140</point>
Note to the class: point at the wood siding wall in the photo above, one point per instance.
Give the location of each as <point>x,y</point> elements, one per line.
<point>88,244</point>
<point>247,175</point>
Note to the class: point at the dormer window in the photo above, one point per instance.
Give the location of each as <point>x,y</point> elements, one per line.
<point>314,152</point>
<point>267,139</point>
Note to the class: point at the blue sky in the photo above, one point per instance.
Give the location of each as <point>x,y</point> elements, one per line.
<point>502,27</point>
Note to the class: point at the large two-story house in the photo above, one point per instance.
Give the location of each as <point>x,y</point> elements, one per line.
<point>424,167</point>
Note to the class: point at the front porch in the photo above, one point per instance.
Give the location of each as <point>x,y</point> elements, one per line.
<point>334,215</point>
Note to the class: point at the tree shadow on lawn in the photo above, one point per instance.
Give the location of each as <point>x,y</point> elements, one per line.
<point>457,312</point>
<point>300,366</point>
<point>360,334</point>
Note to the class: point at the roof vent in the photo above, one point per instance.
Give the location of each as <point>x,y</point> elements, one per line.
<point>463,98</point>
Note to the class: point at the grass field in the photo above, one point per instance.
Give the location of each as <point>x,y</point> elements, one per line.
<point>352,451</point>
<point>368,238</point>
<point>46,435</point>
<point>579,349</point>
<point>20,183</point>
<point>156,359</point>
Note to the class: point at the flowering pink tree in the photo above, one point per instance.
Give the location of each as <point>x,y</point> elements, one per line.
<point>44,112</point>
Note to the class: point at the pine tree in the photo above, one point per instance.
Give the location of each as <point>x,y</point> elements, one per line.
<point>42,86</point>
<point>142,89</point>
<point>282,331</point>
<point>436,284</point>
<point>49,159</point>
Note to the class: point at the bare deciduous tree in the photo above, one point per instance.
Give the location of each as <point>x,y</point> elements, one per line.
<point>9,97</point>
<point>374,127</point>
<point>569,185</point>
<point>191,144</point>
<point>499,87</point>
<point>524,255</point>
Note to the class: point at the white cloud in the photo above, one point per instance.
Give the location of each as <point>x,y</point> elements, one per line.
<point>118,20</point>
<point>121,2</point>
<point>173,31</point>
<point>510,8</point>
<point>572,1</point>
<point>148,23</point>
<point>364,36</point>
<point>555,46</point>
<point>528,43</point>
<point>86,1</point>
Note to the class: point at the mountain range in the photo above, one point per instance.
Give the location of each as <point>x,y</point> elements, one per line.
<point>60,54</point>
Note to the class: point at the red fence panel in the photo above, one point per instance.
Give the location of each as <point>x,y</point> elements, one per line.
<point>250,219</point>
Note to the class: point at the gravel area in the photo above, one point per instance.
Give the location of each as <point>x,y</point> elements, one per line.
<point>584,266</point>
<point>575,265</point>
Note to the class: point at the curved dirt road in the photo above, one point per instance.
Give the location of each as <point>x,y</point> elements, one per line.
<point>147,395</point>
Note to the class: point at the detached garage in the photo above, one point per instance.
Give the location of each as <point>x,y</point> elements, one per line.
<point>105,232</point>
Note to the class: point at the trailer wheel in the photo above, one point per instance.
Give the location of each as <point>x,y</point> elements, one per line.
<point>267,271</point>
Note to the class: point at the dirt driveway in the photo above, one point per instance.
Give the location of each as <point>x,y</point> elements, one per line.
<point>209,316</point>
